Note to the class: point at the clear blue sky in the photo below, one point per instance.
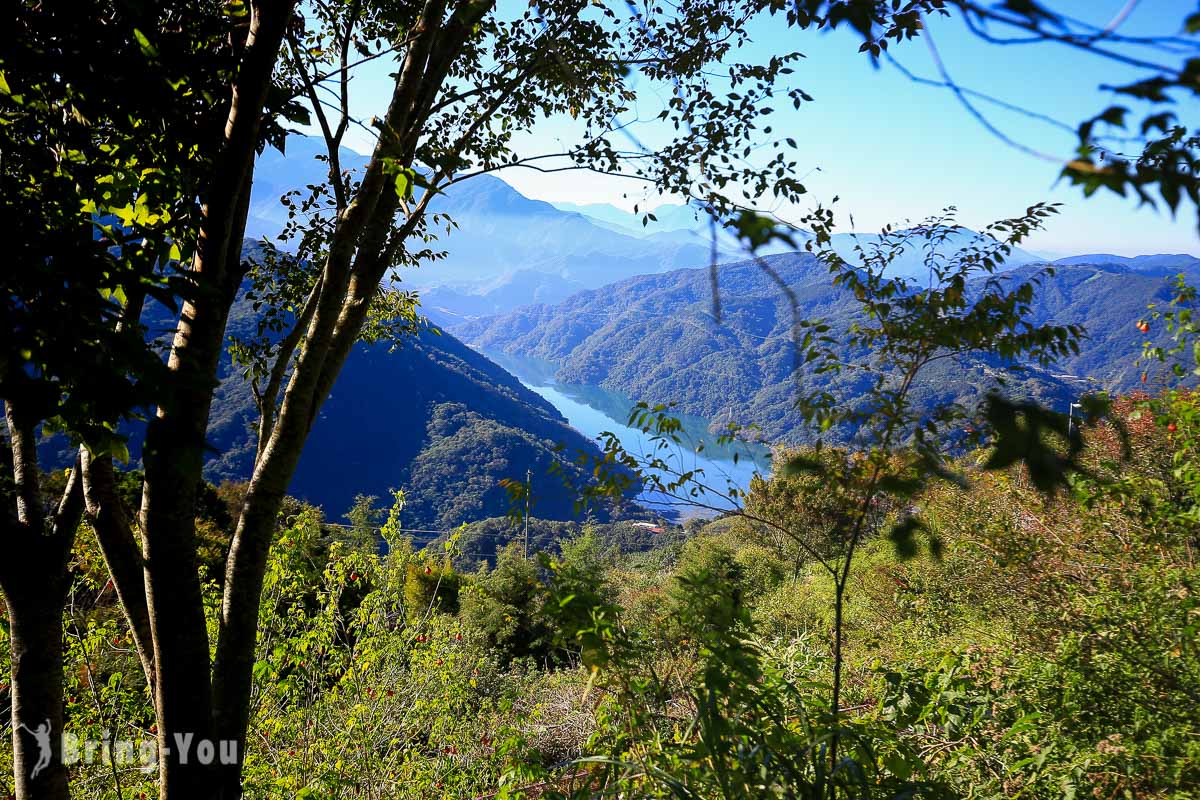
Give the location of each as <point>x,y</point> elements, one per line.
<point>894,150</point>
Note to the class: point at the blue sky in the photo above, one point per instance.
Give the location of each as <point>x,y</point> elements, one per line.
<point>894,150</point>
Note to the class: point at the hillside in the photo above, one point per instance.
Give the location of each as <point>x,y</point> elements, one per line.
<point>509,250</point>
<point>433,417</point>
<point>1158,264</point>
<point>654,338</point>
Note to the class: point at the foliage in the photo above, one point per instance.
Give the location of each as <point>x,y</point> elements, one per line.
<point>1016,663</point>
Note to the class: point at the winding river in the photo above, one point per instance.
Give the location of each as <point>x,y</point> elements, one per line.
<point>593,411</point>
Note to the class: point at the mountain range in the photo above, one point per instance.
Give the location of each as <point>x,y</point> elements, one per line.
<point>654,338</point>
<point>509,250</point>
<point>608,306</point>
<point>432,417</point>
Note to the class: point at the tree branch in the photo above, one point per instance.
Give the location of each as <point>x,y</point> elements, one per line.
<point>26,477</point>
<point>120,550</point>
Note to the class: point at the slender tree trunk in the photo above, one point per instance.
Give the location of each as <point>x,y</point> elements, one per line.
<point>835,707</point>
<point>361,228</point>
<point>175,439</point>
<point>35,632</point>
<point>245,570</point>
<point>34,579</point>
<point>120,550</point>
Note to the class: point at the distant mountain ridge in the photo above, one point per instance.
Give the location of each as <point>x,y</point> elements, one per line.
<point>511,250</point>
<point>1160,264</point>
<point>654,338</point>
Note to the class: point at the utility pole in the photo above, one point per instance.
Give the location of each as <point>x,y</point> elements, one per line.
<point>528,492</point>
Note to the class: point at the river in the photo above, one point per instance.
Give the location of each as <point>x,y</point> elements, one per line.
<point>593,411</point>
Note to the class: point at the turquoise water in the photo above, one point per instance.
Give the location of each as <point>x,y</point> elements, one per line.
<point>593,411</point>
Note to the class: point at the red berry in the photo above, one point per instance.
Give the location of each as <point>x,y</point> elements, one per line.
<point>353,576</point>
<point>1171,427</point>
<point>428,570</point>
<point>458,637</point>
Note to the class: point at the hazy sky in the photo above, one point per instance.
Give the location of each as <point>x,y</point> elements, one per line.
<point>894,150</point>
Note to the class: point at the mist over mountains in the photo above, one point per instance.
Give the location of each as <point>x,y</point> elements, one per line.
<point>655,338</point>
<point>510,250</point>
<point>615,304</point>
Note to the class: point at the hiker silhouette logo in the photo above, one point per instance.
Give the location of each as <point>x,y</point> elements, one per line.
<point>41,735</point>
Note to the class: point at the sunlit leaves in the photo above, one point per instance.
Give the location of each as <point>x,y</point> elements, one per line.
<point>101,165</point>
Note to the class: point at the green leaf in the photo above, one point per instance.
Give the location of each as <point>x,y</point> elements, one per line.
<point>405,179</point>
<point>148,49</point>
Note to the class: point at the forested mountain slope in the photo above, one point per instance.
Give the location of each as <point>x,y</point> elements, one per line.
<point>509,250</point>
<point>432,417</point>
<point>654,338</point>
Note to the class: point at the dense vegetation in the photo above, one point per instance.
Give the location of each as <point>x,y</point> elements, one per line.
<point>250,648</point>
<point>1049,651</point>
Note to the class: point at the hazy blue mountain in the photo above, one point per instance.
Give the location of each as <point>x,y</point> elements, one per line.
<point>518,249</point>
<point>448,306</point>
<point>510,250</point>
<point>910,263</point>
<point>669,217</point>
<point>1160,264</point>
<point>654,338</point>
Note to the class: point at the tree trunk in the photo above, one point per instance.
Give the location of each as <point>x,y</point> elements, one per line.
<point>121,552</point>
<point>35,619</point>
<point>34,580</point>
<point>175,439</point>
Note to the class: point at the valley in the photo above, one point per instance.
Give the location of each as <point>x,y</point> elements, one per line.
<point>461,400</point>
<point>654,338</point>
<point>593,411</point>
